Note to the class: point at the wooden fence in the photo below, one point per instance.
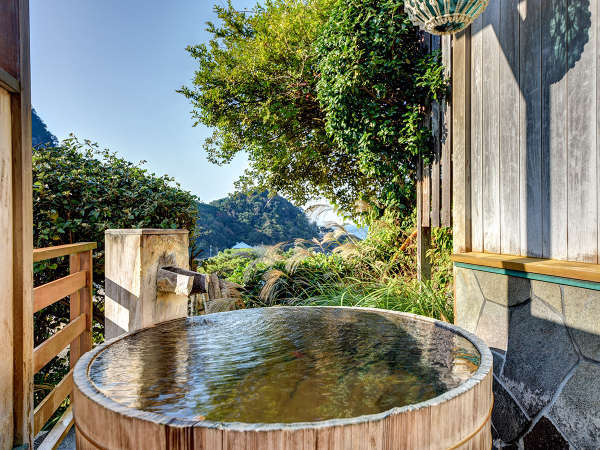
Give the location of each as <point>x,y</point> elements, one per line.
<point>77,333</point>
<point>434,181</point>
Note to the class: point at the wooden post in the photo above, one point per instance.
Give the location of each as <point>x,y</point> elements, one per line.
<point>423,232</point>
<point>461,141</point>
<point>15,75</point>
<point>81,303</point>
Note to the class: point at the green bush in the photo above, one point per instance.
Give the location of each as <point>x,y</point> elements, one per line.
<point>79,191</point>
<point>377,272</point>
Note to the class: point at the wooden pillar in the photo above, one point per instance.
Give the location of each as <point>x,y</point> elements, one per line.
<point>16,244</point>
<point>461,141</point>
<point>81,303</point>
<point>423,229</point>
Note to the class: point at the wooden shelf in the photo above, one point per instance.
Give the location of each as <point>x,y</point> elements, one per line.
<point>551,267</point>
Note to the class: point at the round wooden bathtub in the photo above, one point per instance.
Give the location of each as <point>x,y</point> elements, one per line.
<point>287,378</point>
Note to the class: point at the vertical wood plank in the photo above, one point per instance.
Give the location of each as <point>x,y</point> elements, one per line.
<point>461,142</point>
<point>476,134</point>
<point>9,24</point>
<point>436,121</point>
<point>435,166</point>
<point>74,310</point>
<point>554,131</point>
<point>530,119</point>
<point>22,242</point>
<point>446,135</point>
<point>490,129</point>
<point>582,165</point>
<point>508,36</point>
<point>85,297</point>
<point>6,275</point>
<point>426,196</point>
<point>423,232</point>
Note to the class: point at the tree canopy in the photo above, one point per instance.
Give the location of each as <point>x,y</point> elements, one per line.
<point>267,85</point>
<point>79,191</point>
<point>376,83</point>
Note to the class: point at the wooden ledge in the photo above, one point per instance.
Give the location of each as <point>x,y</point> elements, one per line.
<point>550,267</point>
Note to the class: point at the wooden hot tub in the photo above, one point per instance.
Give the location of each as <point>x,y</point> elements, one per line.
<point>289,378</point>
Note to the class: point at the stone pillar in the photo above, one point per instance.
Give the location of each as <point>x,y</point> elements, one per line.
<point>131,263</point>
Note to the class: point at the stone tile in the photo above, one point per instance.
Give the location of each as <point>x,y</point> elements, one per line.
<point>503,289</point>
<point>582,315</point>
<point>468,299</point>
<point>549,292</point>
<point>576,411</point>
<point>539,355</point>
<point>493,325</point>
<point>544,436</point>
<point>498,362</point>
<point>508,418</point>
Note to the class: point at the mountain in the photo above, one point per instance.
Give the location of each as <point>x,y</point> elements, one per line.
<point>39,132</point>
<point>251,218</point>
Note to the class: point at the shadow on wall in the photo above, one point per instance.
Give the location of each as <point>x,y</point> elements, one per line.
<point>120,309</point>
<point>545,339</point>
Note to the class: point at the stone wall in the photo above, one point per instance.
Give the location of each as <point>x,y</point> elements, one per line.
<point>545,339</point>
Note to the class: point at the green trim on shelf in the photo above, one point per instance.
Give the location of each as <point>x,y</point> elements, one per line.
<point>533,276</point>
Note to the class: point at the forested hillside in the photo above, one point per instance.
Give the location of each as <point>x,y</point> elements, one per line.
<point>39,132</point>
<point>254,219</point>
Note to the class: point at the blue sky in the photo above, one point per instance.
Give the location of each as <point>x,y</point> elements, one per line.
<point>107,70</point>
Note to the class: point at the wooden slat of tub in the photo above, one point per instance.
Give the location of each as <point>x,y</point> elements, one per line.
<point>235,439</point>
<point>445,431</point>
<point>208,438</point>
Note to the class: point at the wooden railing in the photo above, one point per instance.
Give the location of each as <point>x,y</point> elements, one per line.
<point>77,333</point>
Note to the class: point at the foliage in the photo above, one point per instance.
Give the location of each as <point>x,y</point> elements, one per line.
<point>79,191</point>
<point>230,264</point>
<point>326,97</point>
<point>253,218</point>
<point>376,272</point>
<point>40,135</point>
<point>256,87</point>
<point>376,85</point>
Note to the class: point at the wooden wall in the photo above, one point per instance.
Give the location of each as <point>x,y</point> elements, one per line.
<point>6,275</point>
<point>534,126</point>
<point>16,228</point>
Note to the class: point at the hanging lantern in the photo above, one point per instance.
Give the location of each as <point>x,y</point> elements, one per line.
<point>444,16</point>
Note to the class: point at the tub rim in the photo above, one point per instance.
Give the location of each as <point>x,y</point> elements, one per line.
<point>82,383</point>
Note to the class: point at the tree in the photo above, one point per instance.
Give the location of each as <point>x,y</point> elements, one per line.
<point>40,135</point>
<point>259,86</point>
<point>79,191</point>
<point>256,87</point>
<point>376,85</point>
